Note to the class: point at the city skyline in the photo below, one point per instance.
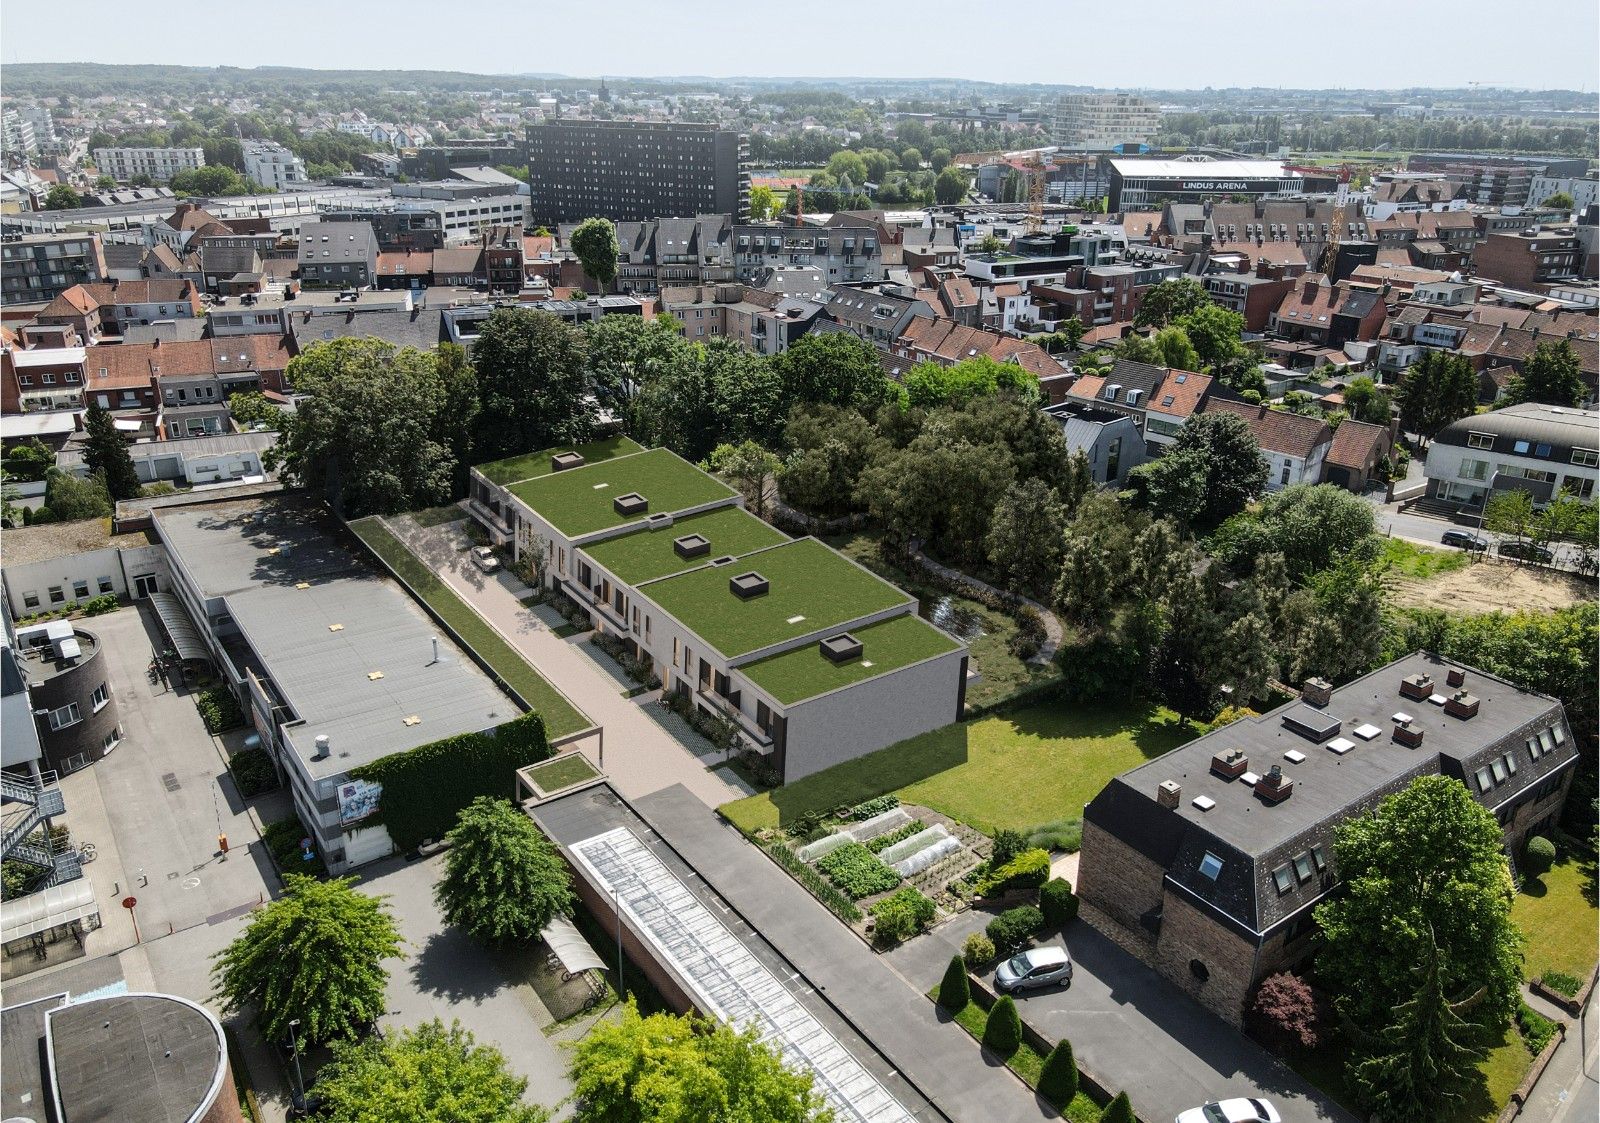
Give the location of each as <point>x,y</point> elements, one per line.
<point>671,42</point>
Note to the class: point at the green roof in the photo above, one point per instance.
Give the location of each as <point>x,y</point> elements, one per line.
<point>647,554</point>
<point>532,465</point>
<point>578,501</point>
<point>811,588</point>
<point>805,672</point>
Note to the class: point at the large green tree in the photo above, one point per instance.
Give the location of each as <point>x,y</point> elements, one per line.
<point>750,468</point>
<point>502,879</point>
<point>1310,525</point>
<point>315,955</point>
<point>829,446</point>
<point>1170,300</point>
<point>367,434</point>
<point>833,369</point>
<point>1440,387</point>
<point>106,453</point>
<point>950,187</point>
<point>1215,332</point>
<point>69,498</point>
<point>1024,541</point>
<point>1426,868</point>
<point>1368,402</point>
<point>1552,375</point>
<point>62,198</point>
<point>930,384</point>
<point>458,415</point>
<point>430,1074</point>
<point>667,1069</point>
<point>1212,470</point>
<point>533,384</point>
<point>595,244</point>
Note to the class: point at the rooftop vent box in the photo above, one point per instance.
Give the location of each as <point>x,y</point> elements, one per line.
<point>1313,725</point>
<point>748,585</point>
<point>1317,692</point>
<point>840,648</point>
<point>1455,676</point>
<point>1408,733</point>
<point>1274,787</point>
<point>1169,793</point>
<point>561,461</point>
<point>1230,763</point>
<point>1204,802</point>
<point>1461,705</point>
<point>692,546</point>
<point>660,520</point>
<point>1417,687</point>
<point>630,504</point>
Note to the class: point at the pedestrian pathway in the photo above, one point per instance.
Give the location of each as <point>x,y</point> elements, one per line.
<point>640,755</point>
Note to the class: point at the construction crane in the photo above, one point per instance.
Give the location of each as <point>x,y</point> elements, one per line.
<point>1337,224</point>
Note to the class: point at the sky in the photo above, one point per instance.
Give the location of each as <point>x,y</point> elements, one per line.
<point>1158,44</point>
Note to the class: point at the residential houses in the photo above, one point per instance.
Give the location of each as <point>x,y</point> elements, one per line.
<point>1294,446</point>
<point>1541,449</point>
<point>1110,441</point>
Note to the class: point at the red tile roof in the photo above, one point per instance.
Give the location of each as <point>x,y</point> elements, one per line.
<point>1354,442</point>
<point>1180,393</point>
<point>1276,430</point>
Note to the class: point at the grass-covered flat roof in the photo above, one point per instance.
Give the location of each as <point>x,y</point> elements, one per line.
<point>811,587</point>
<point>647,554</point>
<point>804,672</point>
<point>578,501</point>
<point>533,465</point>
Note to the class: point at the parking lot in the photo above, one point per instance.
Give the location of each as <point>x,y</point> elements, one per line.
<point>1132,1029</point>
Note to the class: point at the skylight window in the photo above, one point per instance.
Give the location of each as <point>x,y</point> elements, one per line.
<point>1283,879</point>
<point>1211,866</point>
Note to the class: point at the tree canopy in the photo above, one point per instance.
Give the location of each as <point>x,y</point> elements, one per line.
<point>429,1074</point>
<point>1440,387</point>
<point>69,498</point>
<point>668,1069</point>
<point>314,955</point>
<point>502,880</point>
<point>1169,301</point>
<point>595,243</point>
<point>1551,375</point>
<point>106,454</point>
<point>367,433</point>
<point>1212,470</point>
<point>533,384</point>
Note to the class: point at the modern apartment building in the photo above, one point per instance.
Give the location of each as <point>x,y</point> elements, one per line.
<point>1541,449</point>
<point>273,166</point>
<point>38,267</point>
<point>813,659</point>
<point>1529,258</point>
<point>1209,861</point>
<point>635,170</point>
<point>160,164</point>
<point>1100,122</point>
<point>344,254</point>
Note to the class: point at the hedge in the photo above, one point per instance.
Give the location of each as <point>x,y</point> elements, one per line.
<point>425,788</point>
<point>1014,927</point>
<point>1057,902</point>
<point>900,916</point>
<point>218,709</point>
<point>252,772</point>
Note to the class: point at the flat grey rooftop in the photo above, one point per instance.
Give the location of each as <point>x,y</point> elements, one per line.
<point>24,1091</point>
<point>1327,783</point>
<point>323,642</point>
<point>157,1059</point>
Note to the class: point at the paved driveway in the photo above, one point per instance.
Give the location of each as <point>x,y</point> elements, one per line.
<point>1134,1030</point>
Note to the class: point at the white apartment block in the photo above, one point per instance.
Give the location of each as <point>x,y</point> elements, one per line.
<point>1097,122</point>
<point>160,164</point>
<point>272,165</point>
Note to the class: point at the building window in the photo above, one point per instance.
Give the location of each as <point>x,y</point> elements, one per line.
<point>1474,470</point>
<point>101,695</point>
<point>104,584</point>
<point>1282,879</point>
<point>111,740</point>
<point>1587,457</point>
<point>1480,440</point>
<point>1211,866</point>
<point>1485,780</point>
<point>57,596</point>
<point>65,716</point>
<point>1302,867</point>
<point>30,600</point>
<point>1283,477</point>
<point>80,590</point>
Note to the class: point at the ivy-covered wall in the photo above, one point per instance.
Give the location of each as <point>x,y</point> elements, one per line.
<point>424,789</point>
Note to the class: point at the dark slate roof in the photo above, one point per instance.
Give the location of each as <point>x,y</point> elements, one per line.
<point>1253,838</point>
<point>1560,428</point>
<point>421,328</point>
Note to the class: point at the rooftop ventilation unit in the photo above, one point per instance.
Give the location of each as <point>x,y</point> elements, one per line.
<point>691,546</point>
<point>1169,793</point>
<point>322,749</point>
<point>1274,787</point>
<point>1313,725</point>
<point>1230,764</point>
<point>1408,733</point>
<point>630,504</point>
<point>840,648</point>
<point>1461,705</point>
<point>746,586</point>
<point>1203,802</point>
<point>1455,677</point>
<point>1417,687</point>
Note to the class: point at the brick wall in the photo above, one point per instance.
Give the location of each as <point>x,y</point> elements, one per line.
<point>1116,879</point>
<point>1188,936</point>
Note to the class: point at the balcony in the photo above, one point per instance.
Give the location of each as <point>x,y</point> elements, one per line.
<point>748,730</point>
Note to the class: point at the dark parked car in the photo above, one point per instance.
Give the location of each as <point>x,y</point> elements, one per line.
<point>1464,539</point>
<point>1526,551</point>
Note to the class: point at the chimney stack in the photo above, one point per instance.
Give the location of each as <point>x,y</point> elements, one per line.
<point>1169,793</point>
<point>1274,787</point>
<point>1317,692</point>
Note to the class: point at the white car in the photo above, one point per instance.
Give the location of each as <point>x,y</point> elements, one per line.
<point>1233,1111</point>
<point>483,557</point>
<point>1036,967</point>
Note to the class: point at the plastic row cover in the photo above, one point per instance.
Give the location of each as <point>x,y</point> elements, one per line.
<point>815,850</point>
<point>910,846</point>
<point>892,819</point>
<point>927,856</point>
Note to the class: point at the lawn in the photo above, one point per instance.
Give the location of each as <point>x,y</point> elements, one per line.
<point>805,672</point>
<point>647,554</point>
<point>580,500</point>
<point>1026,1062</point>
<point>1557,914</point>
<point>531,465</point>
<point>1016,770</point>
<point>561,772</point>
<point>810,587</point>
<point>438,516</point>
<point>985,631</point>
<point>1407,559</point>
<point>561,717</point>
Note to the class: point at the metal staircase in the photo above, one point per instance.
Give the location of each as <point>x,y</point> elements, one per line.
<point>43,801</point>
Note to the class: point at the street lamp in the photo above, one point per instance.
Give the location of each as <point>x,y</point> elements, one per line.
<point>294,1043</point>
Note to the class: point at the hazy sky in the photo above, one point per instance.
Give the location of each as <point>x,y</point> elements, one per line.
<point>1169,44</point>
